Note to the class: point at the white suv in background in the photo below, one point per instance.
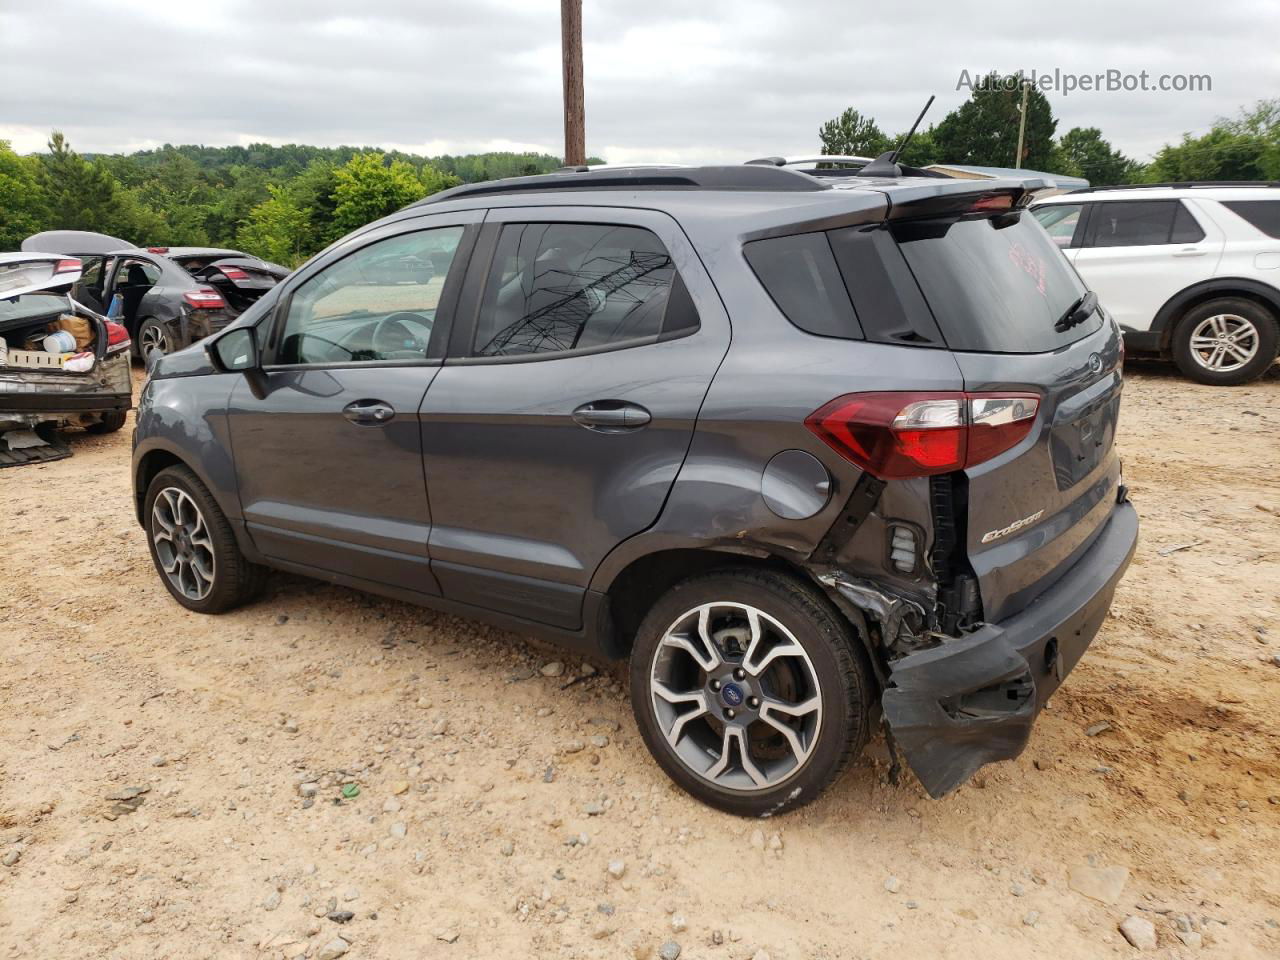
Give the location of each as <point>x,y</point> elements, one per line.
<point>1190,271</point>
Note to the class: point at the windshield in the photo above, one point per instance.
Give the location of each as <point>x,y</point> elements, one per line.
<point>995,284</point>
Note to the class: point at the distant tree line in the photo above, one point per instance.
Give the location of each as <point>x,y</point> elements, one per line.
<point>983,131</point>
<point>283,203</point>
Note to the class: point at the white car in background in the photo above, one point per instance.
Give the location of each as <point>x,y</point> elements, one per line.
<point>1190,271</point>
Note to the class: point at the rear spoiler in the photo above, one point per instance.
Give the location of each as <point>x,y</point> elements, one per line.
<point>958,197</point>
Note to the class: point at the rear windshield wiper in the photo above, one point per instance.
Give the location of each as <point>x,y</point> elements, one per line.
<point>1078,312</point>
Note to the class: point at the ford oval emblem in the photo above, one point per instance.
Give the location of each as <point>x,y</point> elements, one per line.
<point>731,694</point>
<point>1095,363</point>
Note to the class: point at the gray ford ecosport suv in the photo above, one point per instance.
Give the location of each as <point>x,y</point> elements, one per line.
<point>813,452</point>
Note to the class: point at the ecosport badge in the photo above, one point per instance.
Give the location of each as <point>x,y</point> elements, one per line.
<point>1016,525</point>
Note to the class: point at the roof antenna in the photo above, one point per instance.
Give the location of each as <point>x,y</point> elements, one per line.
<point>886,165</point>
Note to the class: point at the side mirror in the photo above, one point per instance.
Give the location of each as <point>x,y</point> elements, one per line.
<point>236,350</point>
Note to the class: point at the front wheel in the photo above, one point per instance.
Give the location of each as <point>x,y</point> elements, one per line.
<point>1225,342</point>
<point>193,546</point>
<point>750,690</point>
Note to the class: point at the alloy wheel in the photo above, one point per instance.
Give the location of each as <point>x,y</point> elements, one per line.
<point>152,337</point>
<point>182,543</point>
<point>1224,342</point>
<point>736,696</point>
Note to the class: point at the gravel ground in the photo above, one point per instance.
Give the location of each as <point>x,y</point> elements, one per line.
<point>325,773</point>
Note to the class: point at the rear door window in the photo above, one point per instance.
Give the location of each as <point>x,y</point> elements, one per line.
<point>1262,214</point>
<point>994,284</point>
<point>559,287</point>
<point>1141,223</point>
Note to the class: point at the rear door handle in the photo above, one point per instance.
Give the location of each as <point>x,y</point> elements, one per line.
<point>369,413</point>
<point>1190,252</point>
<point>611,416</point>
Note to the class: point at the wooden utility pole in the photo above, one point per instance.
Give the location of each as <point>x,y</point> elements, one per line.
<point>575,119</point>
<point>1022,127</point>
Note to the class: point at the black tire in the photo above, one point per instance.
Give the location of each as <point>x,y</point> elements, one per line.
<point>110,422</point>
<point>235,580</point>
<point>1261,319</point>
<point>838,662</point>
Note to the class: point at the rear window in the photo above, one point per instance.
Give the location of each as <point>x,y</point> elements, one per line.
<point>995,285</point>
<point>1141,223</point>
<point>1263,214</point>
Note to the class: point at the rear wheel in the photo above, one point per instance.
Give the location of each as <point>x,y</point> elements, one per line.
<point>750,690</point>
<point>110,422</point>
<point>1225,342</point>
<point>193,546</point>
<point>154,337</point>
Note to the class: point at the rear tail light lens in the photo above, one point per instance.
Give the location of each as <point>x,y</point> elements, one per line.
<point>66,266</point>
<point>233,273</point>
<point>117,335</point>
<point>204,300</point>
<point>921,434</point>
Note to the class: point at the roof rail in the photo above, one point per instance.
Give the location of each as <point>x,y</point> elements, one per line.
<point>759,178</point>
<point>1181,184</point>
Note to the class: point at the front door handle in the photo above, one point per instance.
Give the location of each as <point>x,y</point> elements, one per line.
<point>611,416</point>
<point>369,413</point>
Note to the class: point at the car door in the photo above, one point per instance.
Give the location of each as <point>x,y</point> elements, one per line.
<point>1136,254</point>
<point>328,452</point>
<point>583,348</point>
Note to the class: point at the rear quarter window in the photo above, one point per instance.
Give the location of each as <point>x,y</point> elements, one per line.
<point>1262,214</point>
<point>800,274</point>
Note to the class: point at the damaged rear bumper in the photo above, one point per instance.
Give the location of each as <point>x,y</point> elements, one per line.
<point>973,700</point>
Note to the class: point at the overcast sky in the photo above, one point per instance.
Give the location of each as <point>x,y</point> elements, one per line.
<point>679,80</point>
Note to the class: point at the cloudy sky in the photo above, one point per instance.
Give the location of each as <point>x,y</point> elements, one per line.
<point>679,80</point>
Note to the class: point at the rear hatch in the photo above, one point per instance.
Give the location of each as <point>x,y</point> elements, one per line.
<point>999,289</point>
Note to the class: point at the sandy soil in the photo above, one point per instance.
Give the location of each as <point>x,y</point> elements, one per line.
<point>477,773</point>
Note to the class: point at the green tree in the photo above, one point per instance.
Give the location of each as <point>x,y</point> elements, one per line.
<point>277,229</point>
<point>80,195</point>
<point>433,180</point>
<point>984,129</point>
<point>852,134</point>
<point>1218,155</point>
<point>22,201</point>
<point>1081,152</point>
<point>369,188</point>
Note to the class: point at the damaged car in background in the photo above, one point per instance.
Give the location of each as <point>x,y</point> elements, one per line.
<point>61,363</point>
<point>166,297</point>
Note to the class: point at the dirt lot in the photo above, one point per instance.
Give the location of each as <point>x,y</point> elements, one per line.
<point>492,799</point>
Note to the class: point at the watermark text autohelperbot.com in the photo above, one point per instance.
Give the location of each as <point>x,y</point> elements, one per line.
<point>1065,83</point>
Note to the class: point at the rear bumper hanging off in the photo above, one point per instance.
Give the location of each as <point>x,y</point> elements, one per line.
<point>973,700</point>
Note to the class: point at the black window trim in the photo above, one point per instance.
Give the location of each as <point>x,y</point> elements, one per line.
<point>445,309</point>
<point>462,336</point>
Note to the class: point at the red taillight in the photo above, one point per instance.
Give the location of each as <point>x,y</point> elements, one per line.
<point>204,300</point>
<point>157,249</point>
<point>66,266</point>
<point>116,334</point>
<point>233,273</point>
<point>920,434</point>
